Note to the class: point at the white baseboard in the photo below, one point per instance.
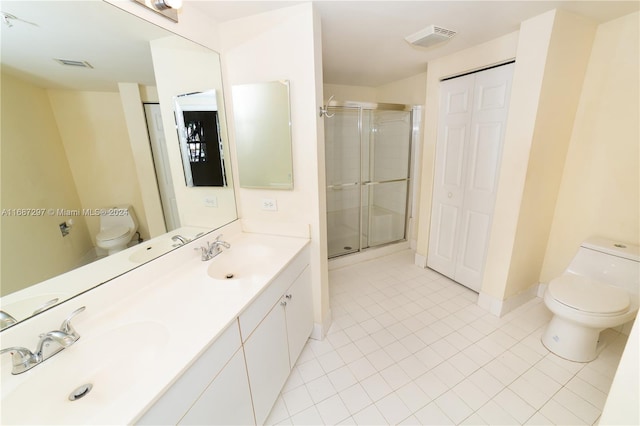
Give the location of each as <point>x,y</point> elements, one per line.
<point>502,307</point>
<point>373,253</point>
<point>320,330</point>
<point>542,287</point>
<point>420,260</point>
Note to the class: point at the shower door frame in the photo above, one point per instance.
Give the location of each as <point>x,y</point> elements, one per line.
<point>413,118</point>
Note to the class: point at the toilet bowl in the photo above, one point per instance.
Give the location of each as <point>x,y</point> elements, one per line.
<point>598,290</point>
<point>118,225</point>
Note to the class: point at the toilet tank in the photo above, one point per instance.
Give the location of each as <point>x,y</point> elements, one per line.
<point>111,217</point>
<point>610,262</point>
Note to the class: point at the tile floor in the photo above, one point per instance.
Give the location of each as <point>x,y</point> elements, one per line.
<point>409,346</point>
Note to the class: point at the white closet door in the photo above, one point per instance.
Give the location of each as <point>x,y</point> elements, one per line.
<point>456,103</point>
<point>489,118</point>
<point>473,115</point>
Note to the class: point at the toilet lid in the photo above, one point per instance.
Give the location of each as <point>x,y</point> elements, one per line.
<point>113,233</point>
<point>586,295</point>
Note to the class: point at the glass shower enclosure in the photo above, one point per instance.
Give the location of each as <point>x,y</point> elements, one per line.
<point>368,154</point>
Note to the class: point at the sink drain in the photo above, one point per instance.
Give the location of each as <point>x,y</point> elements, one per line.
<point>80,392</point>
<point>229,276</point>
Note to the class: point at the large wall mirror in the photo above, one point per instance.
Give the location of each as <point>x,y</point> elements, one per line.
<point>263,135</point>
<point>74,78</point>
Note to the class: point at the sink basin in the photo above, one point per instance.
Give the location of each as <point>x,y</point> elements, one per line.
<point>242,263</point>
<point>43,395</point>
<point>232,269</point>
<point>151,250</point>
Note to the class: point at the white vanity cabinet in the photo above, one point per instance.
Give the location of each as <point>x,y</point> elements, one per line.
<point>214,390</point>
<point>226,401</point>
<point>277,326</point>
<point>239,377</point>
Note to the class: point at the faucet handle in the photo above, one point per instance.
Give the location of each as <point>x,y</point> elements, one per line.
<point>219,237</point>
<point>66,326</point>
<point>23,359</point>
<point>6,320</point>
<point>46,305</point>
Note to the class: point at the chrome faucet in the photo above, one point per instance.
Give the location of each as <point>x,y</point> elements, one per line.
<point>180,239</point>
<point>6,320</point>
<point>213,249</point>
<point>24,359</point>
<point>184,240</point>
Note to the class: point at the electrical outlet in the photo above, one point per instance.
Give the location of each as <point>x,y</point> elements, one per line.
<point>269,204</point>
<point>211,201</point>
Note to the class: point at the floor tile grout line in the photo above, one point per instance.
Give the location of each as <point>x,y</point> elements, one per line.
<point>455,313</point>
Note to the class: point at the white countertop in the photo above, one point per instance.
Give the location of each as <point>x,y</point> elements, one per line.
<point>22,303</point>
<point>139,333</point>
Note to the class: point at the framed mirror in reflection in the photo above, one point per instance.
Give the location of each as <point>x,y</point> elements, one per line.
<point>76,150</point>
<point>263,135</point>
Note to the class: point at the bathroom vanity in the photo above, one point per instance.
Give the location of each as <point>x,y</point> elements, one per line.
<point>176,341</point>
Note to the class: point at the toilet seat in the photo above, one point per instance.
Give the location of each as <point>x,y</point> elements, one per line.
<point>583,294</point>
<point>113,233</point>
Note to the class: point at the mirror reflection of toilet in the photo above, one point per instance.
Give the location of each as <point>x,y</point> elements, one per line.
<point>118,225</point>
<point>598,290</point>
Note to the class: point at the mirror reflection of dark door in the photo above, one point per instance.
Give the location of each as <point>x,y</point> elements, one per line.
<point>203,147</point>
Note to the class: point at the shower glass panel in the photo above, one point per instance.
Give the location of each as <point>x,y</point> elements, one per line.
<point>367,149</point>
<point>386,175</point>
<point>342,153</point>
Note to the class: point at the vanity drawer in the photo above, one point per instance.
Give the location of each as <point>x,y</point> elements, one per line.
<point>259,308</point>
<point>178,399</point>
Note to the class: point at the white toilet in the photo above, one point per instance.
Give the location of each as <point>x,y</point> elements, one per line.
<point>118,225</point>
<point>598,290</point>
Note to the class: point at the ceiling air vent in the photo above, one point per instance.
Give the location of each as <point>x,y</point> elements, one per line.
<point>429,36</point>
<point>69,62</point>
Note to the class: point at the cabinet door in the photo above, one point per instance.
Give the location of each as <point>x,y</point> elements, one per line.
<point>176,401</point>
<point>299,314</point>
<point>226,401</point>
<point>267,354</point>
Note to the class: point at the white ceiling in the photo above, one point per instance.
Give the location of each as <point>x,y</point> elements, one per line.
<point>115,43</point>
<point>363,41</point>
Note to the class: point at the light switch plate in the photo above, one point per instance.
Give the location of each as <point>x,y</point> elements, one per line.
<point>211,201</point>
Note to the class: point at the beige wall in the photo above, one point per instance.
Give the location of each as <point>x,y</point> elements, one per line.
<point>35,174</point>
<point>489,53</point>
<point>600,188</point>
<point>553,51</point>
<point>286,45</point>
<point>551,183</point>
<point>132,105</point>
<point>343,92</point>
<point>173,59</point>
<point>410,91</point>
<point>94,134</point>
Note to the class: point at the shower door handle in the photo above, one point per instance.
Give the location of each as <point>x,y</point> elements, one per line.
<point>340,186</point>
<point>367,183</point>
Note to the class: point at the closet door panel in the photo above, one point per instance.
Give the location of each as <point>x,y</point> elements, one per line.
<point>471,127</point>
<point>456,104</point>
<point>488,123</point>
<point>471,256</point>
